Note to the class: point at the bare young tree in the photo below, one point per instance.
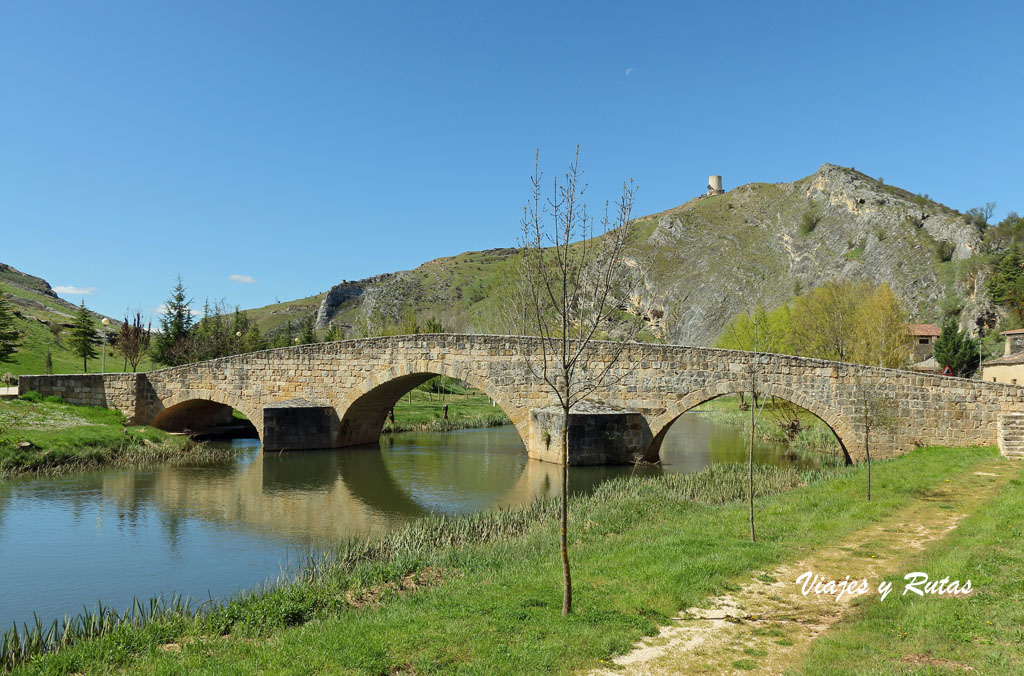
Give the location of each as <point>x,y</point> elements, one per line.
<point>875,415</point>
<point>757,406</point>
<point>572,289</point>
<point>133,339</point>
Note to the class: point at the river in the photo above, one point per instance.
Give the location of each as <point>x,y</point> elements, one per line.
<point>208,532</point>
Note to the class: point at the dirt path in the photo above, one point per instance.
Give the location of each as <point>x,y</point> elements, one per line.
<point>768,625</point>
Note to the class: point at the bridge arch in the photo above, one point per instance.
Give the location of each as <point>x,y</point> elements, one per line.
<point>363,410</point>
<point>186,408</point>
<point>834,419</point>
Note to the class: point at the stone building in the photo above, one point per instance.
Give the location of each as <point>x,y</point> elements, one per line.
<point>1009,368</point>
<point>923,336</point>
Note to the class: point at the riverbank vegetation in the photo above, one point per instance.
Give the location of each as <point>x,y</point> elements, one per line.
<point>422,409</point>
<point>779,422</point>
<point>47,436</point>
<point>481,594</point>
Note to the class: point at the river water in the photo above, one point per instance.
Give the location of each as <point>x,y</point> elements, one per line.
<point>208,532</point>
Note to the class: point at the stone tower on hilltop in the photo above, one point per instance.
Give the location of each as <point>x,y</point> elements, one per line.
<point>715,186</point>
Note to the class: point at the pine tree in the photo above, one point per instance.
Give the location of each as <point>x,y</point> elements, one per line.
<point>83,340</point>
<point>308,333</point>
<point>8,331</point>
<point>172,345</point>
<point>957,350</point>
<point>253,340</point>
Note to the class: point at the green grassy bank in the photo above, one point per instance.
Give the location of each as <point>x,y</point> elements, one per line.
<point>62,438</point>
<point>422,409</point>
<point>481,595</point>
<point>910,634</point>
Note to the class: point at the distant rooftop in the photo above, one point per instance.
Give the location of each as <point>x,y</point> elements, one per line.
<point>1014,332</point>
<point>1006,360</point>
<point>924,329</point>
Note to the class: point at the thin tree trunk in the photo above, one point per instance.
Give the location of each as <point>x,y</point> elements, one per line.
<point>750,471</point>
<point>566,576</point>
<point>867,453</point>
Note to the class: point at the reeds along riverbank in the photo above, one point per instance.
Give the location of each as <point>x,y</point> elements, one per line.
<point>775,425</point>
<point>131,452</point>
<point>441,425</point>
<point>361,568</point>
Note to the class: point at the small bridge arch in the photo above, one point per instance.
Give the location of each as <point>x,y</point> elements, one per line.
<point>363,410</point>
<point>198,409</point>
<point>833,418</point>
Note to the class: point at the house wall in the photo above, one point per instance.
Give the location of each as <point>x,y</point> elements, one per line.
<point>1010,374</point>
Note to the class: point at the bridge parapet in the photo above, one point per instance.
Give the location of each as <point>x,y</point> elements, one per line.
<point>362,379</point>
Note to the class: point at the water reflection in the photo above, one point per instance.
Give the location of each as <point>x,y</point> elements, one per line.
<point>208,531</point>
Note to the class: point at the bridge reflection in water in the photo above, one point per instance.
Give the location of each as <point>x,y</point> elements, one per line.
<point>323,497</point>
<point>209,531</point>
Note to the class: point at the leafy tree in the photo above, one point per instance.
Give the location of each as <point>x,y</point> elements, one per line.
<point>433,326</point>
<point>83,340</point>
<point>1006,285</point>
<point>957,350</point>
<point>333,334</point>
<point>772,331</point>
<point>571,282</point>
<point>823,320</point>
<point>173,346</point>
<point>880,334</point>
<point>9,333</point>
<point>1007,234</point>
<point>980,216</point>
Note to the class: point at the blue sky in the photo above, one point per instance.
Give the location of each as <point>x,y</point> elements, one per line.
<point>293,145</point>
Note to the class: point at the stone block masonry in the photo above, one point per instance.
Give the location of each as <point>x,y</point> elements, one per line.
<point>361,380</point>
<point>1011,435</point>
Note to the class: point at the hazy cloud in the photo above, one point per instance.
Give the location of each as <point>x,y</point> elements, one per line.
<point>628,71</point>
<point>242,279</point>
<point>75,290</point>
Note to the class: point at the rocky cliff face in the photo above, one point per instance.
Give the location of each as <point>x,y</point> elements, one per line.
<point>715,256</point>
<point>763,243</point>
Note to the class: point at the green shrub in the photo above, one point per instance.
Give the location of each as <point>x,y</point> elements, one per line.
<point>32,396</point>
<point>809,221</point>
<point>944,250</point>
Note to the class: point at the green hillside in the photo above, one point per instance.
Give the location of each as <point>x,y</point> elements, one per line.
<point>44,320</point>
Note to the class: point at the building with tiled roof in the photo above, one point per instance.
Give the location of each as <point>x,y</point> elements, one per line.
<point>923,336</point>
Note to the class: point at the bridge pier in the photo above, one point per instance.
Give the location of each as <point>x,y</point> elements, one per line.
<point>299,425</point>
<point>598,435</point>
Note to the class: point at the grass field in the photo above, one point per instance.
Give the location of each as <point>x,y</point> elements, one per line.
<point>65,438</point>
<point>424,410</point>
<point>481,595</point>
<point>910,634</point>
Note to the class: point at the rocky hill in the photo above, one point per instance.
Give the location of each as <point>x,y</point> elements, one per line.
<point>708,259</point>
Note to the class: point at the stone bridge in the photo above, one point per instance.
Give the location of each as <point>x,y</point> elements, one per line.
<point>338,394</point>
